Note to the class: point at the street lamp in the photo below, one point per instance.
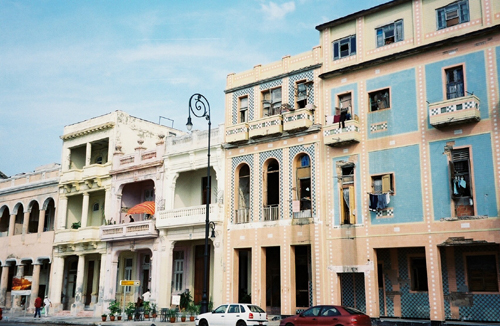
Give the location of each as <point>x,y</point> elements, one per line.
<point>199,106</point>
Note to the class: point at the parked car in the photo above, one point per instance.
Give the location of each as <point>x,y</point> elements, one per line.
<point>328,316</point>
<point>233,314</point>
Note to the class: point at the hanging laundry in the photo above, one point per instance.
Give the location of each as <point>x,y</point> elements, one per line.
<point>387,198</point>
<point>381,201</point>
<point>463,184</point>
<point>373,202</point>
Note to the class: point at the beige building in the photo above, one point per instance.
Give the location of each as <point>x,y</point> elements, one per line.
<point>27,213</point>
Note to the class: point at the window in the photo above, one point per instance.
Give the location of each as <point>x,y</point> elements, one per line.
<point>347,203</point>
<point>302,90</point>
<point>453,14</point>
<point>233,309</point>
<point>98,160</point>
<point>271,190</point>
<point>243,196</point>
<point>178,270</point>
<point>461,182</point>
<point>95,207</point>
<point>454,82</point>
<point>345,101</point>
<point>204,190</point>
<point>382,184</point>
<point>271,102</point>
<point>303,182</point>
<point>220,309</point>
<point>390,33</point>
<point>418,274</point>
<point>482,273</point>
<point>344,47</point>
<point>128,272</point>
<point>379,100</point>
<point>243,116</point>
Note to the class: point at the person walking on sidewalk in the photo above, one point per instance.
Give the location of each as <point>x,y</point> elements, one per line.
<point>47,303</point>
<point>38,307</point>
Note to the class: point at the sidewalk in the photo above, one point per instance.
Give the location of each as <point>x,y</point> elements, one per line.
<point>70,320</point>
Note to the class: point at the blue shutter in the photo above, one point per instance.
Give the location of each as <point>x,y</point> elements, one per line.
<point>380,37</point>
<point>464,11</point>
<point>335,50</point>
<point>441,18</point>
<point>398,34</point>
<point>353,45</point>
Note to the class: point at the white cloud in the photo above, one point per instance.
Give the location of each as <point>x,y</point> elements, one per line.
<point>275,11</point>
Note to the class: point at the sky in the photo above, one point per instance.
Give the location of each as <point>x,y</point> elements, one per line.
<point>62,62</point>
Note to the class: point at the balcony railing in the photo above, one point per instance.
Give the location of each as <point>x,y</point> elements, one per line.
<point>303,214</point>
<point>75,235</point>
<point>266,126</point>
<point>455,111</point>
<point>134,230</point>
<point>194,215</point>
<point>297,120</point>
<point>242,216</point>
<point>271,212</point>
<point>237,133</point>
<point>335,135</point>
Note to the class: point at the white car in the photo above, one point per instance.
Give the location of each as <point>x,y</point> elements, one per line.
<point>233,314</point>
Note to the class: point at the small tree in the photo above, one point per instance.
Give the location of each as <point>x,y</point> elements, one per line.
<point>186,298</point>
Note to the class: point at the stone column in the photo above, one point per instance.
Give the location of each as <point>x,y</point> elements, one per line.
<point>62,211</point>
<point>164,260</point>
<point>108,209</point>
<point>12,224</point>
<point>35,283</point>
<point>26,221</point>
<point>41,221</point>
<point>57,274</point>
<point>88,154</point>
<point>80,273</point>
<point>17,299</point>
<point>85,209</point>
<point>3,285</point>
<point>102,284</point>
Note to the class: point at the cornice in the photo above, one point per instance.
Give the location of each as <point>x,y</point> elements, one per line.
<point>87,131</point>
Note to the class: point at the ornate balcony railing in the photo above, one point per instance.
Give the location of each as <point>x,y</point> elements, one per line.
<point>335,135</point>
<point>454,111</point>
<point>133,230</point>
<point>194,215</point>
<point>270,125</point>
<point>297,120</point>
<point>237,133</point>
<point>271,212</point>
<point>242,216</point>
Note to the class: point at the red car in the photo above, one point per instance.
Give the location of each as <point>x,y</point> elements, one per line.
<point>328,316</point>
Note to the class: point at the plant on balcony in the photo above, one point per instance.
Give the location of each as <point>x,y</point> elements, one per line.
<point>76,225</point>
<point>129,310</point>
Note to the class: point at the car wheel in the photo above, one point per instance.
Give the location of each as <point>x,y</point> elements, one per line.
<point>203,322</point>
<point>241,323</point>
<point>289,324</point>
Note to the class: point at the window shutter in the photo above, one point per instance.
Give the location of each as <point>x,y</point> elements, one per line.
<point>386,183</point>
<point>380,37</point>
<point>342,212</point>
<point>399,31</point>
<point>352,217</point>
<point>470,180</point>
<point>353,45</point>
<point>335,50</point>
<point>451,173</point>
<point>464,11</point>
<point>441,18</point>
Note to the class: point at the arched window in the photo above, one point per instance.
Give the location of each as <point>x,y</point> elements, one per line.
<point>302,187</point>
<point>243,195</point>
<point>271,190</point>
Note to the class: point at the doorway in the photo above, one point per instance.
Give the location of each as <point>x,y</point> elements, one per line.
<point>273,281</point>
<point>244,275</point>
<point>199,264</point>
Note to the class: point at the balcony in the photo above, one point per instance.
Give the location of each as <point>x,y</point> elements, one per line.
<point>127,231</point>
<point>96,170</point>
<point>455,111</point>
<point>335,136</point>
<point>266,126</point>
<point>188,216</point>
<point>237,133</point>
<point>77,235</point>
<point>271,212</point>
<point>242,215</point>
<point>297,120</point>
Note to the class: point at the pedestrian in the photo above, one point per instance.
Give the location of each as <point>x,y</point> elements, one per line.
<point>38,307</point>
<point>131,219</point>
<point>146,295</point>
<point>47,303</point>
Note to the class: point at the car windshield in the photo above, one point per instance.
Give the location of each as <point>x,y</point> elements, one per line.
<point>255,309</point>
<point>353,311</point>
<point>220,309</point>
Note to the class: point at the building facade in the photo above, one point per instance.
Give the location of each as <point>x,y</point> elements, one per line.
<point>400,153</point>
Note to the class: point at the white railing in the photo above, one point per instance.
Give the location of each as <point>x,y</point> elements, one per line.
<point>303,214</point>
<point>128,230</point>
<point>242,216</point>
<point>271,213</point>
<point>188,215</point>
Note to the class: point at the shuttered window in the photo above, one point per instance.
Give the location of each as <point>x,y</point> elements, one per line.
<point>453,14</point>
<point>390,33</point>
<point>344,47</point>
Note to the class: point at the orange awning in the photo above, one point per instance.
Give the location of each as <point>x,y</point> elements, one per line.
<point>148,207</point>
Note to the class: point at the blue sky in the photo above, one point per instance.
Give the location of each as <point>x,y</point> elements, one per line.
<point>62,62</point>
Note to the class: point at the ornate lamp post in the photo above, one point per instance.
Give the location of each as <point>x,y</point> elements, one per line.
<point>199,106</point>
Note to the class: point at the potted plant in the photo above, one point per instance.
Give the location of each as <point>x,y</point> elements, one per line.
<point>172,315</point>
<point>183,315</point>
<point>192,311</point>
<point>104,316</point>
<point>147,308</point>
<point>113,307</point>
<point>153,309</point>
<point>119,314</point>
<point>129,310</point>
<point>76,225</point>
